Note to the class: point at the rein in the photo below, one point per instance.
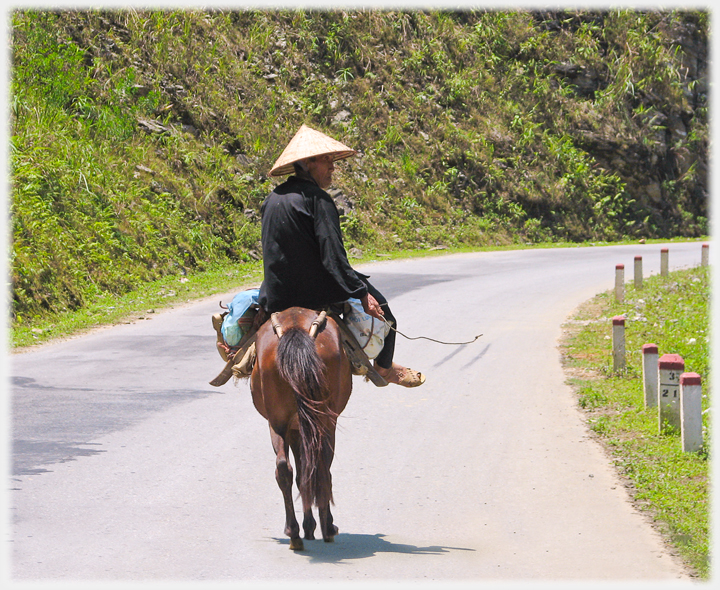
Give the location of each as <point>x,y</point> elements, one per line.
<point>320,320</point>
<point>389,325</point>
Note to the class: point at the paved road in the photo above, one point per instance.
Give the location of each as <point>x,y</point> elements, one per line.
<point>127,465</point>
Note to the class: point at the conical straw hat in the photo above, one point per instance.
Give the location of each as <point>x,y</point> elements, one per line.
<point>307,143</point>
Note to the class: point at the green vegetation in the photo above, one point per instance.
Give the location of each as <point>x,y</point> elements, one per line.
<point>141,140</point>
<point>672,486</point>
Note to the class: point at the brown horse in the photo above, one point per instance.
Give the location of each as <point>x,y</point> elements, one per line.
<point>301,384</point>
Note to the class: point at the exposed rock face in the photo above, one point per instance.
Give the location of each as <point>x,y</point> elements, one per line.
<point>585,80</point>
<point>342,201</point>
<point>671,151</point>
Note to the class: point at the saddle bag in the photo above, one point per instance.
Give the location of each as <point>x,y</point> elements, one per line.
<point>369,332</point>
<point>240,315</point>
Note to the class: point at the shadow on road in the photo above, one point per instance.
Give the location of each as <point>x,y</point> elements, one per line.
<point>458,350</point>
<point>397,284</point>
<point>352,546</point>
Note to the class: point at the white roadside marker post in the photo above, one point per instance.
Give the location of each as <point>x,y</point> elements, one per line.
<point>650,374</point>
<point>664,255</point>
<point>705,258</point>
<point>670,367</point>
<point>618,342</point>
<point>619,282</point>
<point>638,272</point>
<point>691,411</point>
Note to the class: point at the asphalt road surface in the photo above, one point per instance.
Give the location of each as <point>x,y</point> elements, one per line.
<point>128,466</point>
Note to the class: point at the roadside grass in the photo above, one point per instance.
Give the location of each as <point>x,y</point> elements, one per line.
<point>149,298</point>
<point>671,486</point>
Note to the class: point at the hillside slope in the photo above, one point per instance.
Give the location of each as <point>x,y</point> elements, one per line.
<point>141,140</point>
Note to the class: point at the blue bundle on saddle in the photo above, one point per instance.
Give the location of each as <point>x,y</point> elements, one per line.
<point>241,312</point>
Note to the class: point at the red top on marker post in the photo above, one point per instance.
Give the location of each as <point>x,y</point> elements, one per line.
<point>671,362</point>
<point>690,379</point>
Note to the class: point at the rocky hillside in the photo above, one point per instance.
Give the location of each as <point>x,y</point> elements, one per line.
<point>141,140</point>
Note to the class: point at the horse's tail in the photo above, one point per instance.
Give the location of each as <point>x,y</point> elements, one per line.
<point>301,366</point>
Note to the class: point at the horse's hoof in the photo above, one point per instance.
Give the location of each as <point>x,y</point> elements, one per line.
<point>331,538</point>
<point>296,544</point>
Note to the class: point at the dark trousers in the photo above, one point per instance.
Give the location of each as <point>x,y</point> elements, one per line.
<point>385,358</point>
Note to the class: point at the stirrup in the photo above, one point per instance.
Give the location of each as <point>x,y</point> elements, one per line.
<point>247,341</point>
<point>359,362</point>
<point>244,367</point>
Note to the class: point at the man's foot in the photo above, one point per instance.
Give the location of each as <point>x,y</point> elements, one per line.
<point>217,321</point>
<point>401,375</point>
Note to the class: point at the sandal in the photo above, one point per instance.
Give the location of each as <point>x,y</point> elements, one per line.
<point>401,375</point>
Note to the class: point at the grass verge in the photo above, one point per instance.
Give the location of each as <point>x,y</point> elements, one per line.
<point>671,486</point>
<point>149,298</point>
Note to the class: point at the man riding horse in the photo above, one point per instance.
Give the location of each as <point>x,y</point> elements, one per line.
<point>304,259</point>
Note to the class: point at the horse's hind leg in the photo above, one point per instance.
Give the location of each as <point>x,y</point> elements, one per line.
<point>284,477</point>
<point>309,523</point>
<point>329,530</point>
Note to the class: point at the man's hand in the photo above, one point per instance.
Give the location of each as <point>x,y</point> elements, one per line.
<point>372,307</point>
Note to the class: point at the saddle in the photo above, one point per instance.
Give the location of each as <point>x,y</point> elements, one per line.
<point>239,359</point>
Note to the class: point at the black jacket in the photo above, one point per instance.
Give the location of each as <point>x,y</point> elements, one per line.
<point>304,259</point>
